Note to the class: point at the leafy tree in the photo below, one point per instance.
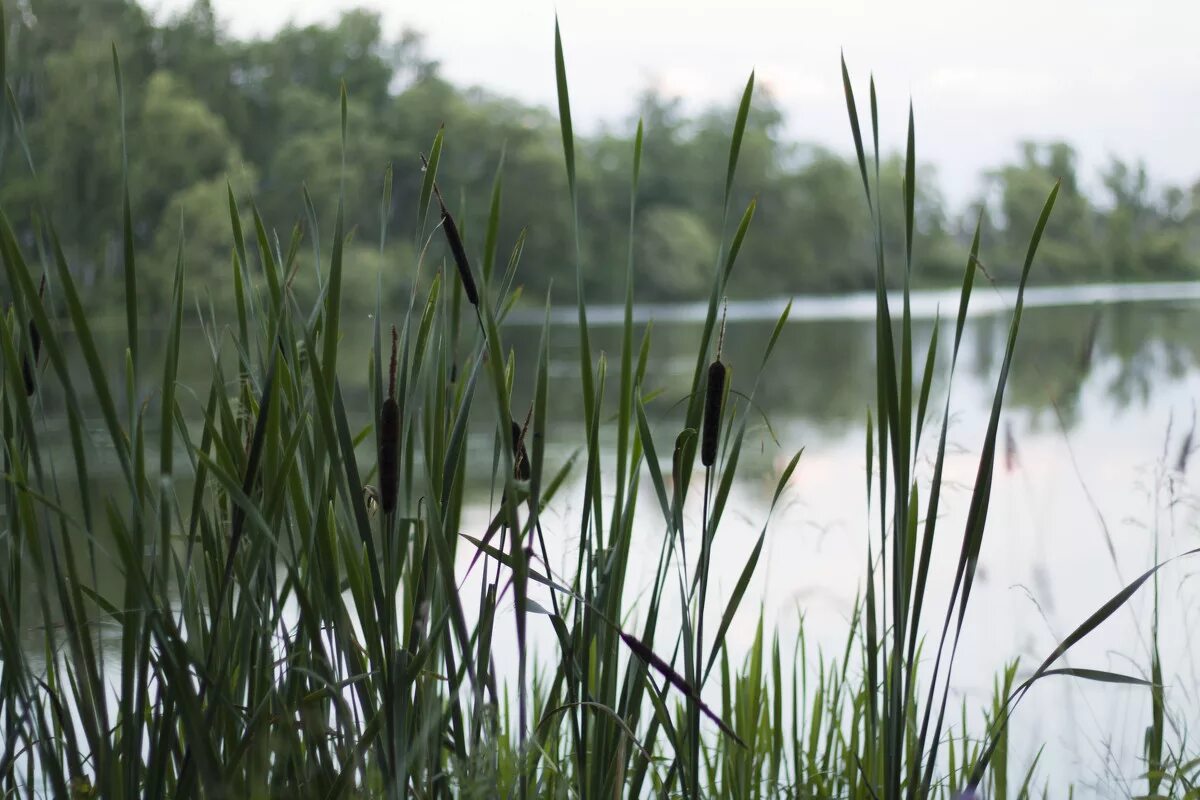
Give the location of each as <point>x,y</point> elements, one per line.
<point>1068,251</point>
<point>204,109</point>
<point>676,253</point>
<point>179,142</point>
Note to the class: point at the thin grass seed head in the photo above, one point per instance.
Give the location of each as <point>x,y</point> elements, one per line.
<point>392,363</point>
<point>1185,451</point>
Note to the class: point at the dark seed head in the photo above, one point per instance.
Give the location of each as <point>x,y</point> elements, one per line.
<point>712,413</point>
<point>389,439</point>
<point>28,368</point>
<point>35,340</point>
<point>28,374</point>
<point>520,455</point>
<point>454,239</point>
<point>389,462</point>
<point>35,336</point>
<point>1185,453</point>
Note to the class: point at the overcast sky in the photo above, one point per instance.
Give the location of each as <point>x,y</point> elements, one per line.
<point>1117,78</point>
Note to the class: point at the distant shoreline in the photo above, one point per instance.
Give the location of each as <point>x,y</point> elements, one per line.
<point>926,304</point>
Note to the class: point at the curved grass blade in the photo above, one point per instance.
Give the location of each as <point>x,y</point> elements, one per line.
<point>1044,670</point>
<point>978,508</point>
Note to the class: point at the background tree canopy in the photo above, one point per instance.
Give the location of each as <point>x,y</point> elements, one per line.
<point>205,110</point>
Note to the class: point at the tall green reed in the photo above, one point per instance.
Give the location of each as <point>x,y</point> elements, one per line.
<point>292,615</point>
<point>903,732</point>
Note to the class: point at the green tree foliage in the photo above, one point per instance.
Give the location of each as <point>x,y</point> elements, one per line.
<point>204,110</point>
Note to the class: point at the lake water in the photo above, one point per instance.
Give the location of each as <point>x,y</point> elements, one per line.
<point>1091,481</point>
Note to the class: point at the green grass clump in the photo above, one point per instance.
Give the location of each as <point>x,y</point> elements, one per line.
<point>291,619</point>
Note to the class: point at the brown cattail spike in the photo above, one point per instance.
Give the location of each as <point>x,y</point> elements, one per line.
<point>28,374</point>
<point>389,463</point>
<point>454,239</point>
<point>35,336</point>
<point>713,399</point>
<point>392,363</point>
<point>35,340</point>
<point>28,367</point>
<point>389,441</point>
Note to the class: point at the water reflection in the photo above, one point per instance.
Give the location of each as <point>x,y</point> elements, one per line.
<point>822,373</point>
<point>1136,346</point>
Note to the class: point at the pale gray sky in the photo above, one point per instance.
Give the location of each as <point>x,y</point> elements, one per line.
<point>1111,77</point>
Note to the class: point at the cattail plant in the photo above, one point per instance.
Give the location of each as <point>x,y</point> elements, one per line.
<point>460,254</point>
<point>712,412</point>
<point>29,366</point>
<point>713,400</point>
<point>386,685</point>
<point>389,439</point>
<point>454,240</point>
<point>28,375</point>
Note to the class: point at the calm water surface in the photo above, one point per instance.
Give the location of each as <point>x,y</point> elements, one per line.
<point>1094,475</point>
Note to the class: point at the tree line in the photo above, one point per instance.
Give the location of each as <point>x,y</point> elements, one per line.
<point>205,111</point>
